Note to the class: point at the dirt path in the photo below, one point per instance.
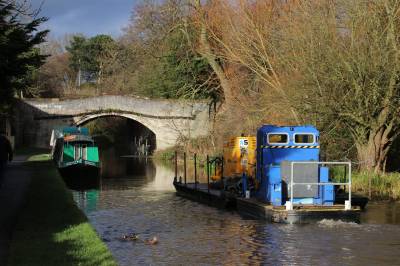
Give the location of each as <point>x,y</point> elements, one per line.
<point>12,194</point>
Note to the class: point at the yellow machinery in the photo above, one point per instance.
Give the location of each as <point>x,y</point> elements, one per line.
<point>240,156</point>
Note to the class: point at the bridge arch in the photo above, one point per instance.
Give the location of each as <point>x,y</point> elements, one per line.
<point>169,120</point>
<point>149,129</point>
<point>79,121</point>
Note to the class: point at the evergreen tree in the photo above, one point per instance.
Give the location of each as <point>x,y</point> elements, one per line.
<point>87,55</point>
<point>18,53</point>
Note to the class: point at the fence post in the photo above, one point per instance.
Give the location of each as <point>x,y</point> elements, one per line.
<point>195,171</point>
<point>350,185</point>
<point>222,172</point>
<point>176,166</point>
<point>208,176</point>
<point>184,166</point>
<point>215,166</point>
<point>344,177</point>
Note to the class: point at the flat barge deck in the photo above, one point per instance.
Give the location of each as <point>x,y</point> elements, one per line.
<point>201,193</point>
<point>253,208</point>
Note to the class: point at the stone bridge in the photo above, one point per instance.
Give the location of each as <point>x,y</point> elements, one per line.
<point>169,120</point>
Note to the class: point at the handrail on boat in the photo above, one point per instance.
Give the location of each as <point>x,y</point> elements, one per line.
<point>292,184</point>
<point>209,161</point>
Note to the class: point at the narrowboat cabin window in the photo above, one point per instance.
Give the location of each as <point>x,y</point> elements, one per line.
<point>304,138</point>
<point>278,138</point>
<point>77,152</point>
<point>84,152</point>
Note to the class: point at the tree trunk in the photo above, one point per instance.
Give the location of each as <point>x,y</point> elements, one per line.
<point>372,155</point>
<point>99,73</point>
<point>207,53</point>
<point>366,156</point>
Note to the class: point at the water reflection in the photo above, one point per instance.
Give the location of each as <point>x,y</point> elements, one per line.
<point>87,200</point>
<point>138,197</point>
<point>114,165</point>
<point>382,213</point>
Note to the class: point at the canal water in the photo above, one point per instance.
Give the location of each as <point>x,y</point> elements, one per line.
<point>137,196</point>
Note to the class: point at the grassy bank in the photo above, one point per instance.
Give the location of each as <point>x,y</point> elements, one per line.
<point>29,151</point>
<point>51,230</point>
<point>166,155</point>
<point>201,146</point>
<point>385,186</point>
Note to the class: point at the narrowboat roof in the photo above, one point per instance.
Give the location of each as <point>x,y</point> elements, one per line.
<point>75,131</point>
<point>62,132</point>
<point>78,138</point>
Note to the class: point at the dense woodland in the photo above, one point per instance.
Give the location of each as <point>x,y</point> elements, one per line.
<point>334,64</point>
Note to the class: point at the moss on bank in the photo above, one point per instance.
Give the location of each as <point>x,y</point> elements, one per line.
<point>51,230</point>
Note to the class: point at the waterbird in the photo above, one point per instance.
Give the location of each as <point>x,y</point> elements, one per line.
<point>153,241</point>
<point>130,237</point>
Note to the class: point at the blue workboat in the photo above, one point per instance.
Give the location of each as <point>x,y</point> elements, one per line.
<point>290,184</point>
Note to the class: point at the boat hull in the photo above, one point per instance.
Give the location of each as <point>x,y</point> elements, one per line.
<point>81,176</point>
<point>212,197</point>
<point>300,215</point>
<point>255,209</point>
<point>79,171</point>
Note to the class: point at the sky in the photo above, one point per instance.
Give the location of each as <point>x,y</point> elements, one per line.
<point>90,17</point>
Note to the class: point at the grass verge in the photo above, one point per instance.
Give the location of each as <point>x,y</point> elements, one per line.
<point>29,151</point>
<point>384,186</point>
<point>51,230</point>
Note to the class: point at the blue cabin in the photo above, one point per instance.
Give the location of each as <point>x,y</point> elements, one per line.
<point>277,147</point>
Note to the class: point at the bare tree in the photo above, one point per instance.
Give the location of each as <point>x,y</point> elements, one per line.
<point>245,33</point>
<point>207,52</point>
<point>345,57</point>
<point>332,63</point>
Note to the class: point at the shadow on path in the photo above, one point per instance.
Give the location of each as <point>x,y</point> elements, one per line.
<point>12,195</point>
<point>49,229</point>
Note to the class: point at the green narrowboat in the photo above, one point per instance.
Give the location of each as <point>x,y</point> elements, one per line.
<point>75,153</point>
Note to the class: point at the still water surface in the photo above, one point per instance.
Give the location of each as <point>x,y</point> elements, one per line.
<point>138,197</point>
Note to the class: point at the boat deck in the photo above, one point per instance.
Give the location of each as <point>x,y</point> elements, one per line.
<point>259,210</point>
<point>204,188</point>
<point>201,193</point>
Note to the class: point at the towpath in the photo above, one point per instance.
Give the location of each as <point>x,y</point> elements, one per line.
<point>12,194</point>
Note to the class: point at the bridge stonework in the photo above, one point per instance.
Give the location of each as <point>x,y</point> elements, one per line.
<point>170,120</point>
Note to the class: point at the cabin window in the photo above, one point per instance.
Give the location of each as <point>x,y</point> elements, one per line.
<point>304,138</point>
<point>278,138</point>
<point>84,152</point>
<point>77,152</point>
